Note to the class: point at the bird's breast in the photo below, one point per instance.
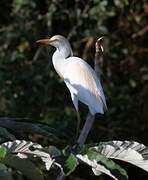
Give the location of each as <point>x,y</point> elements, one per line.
<point>59,66</point>
<point>59,72</point>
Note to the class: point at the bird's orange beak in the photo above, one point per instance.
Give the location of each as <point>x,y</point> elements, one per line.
<point>45,41</point>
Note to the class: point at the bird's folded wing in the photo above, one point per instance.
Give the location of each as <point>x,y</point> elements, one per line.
<point>83,82</point>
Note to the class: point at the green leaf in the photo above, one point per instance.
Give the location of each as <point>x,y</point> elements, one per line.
<point>2,167</point>
<point>115,169</point>
<point>126,2</point>
<point>130,152</point>
<point>100,164</point>
<point>5,175</point>
<point>145,157</point>
<point>4,133</point>
<point>53,151</point>
<point>24,149</point>
<point>27,126</point>
<point>71,164</point>
<point>25,166</point>
<point>67,163</point>
<point>2,152</point>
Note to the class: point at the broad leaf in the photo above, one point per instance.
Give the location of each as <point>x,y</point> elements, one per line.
<point>67,163</point>
<point>131,152</point>
<point>2,167</point>
<point>2,152</point>
<point>25,125</point>
<point>5,175</point>
<point>100,164</point>
<point>53,151</point>
<point>25,166</point>
<point>70,164</point>
<point>5,134</point>
<point>22,149</point>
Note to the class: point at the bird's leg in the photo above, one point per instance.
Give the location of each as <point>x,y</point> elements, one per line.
<point>78,123</point>
<point>85,131</point>
<point>75,102</point>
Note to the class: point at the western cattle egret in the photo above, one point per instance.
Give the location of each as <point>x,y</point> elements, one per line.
<point>79,77</point>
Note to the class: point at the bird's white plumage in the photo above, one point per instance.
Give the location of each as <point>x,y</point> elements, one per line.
<point>82,81</point>
<point>80,78</point>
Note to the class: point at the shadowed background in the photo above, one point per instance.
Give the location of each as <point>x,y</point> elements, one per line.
<point>29,86</point>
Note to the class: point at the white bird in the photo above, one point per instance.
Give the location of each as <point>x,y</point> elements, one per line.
<point>79,77</point>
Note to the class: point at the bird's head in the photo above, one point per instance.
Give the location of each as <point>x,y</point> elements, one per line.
<point>57,41</point>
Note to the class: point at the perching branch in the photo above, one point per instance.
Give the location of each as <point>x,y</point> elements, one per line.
<point>98,56</point>
<point>90,118</point>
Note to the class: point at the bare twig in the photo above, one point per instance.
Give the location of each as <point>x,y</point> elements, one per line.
<point>90,118</point>
<point>98,56</point>
<point>141,32</point>
<point>37,53</point>
<point>89,42</point>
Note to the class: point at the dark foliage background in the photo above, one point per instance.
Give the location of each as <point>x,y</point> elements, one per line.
<point>29,86</point>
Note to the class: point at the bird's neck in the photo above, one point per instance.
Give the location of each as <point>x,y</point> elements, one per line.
<point>64,51</point>
<point>59,58</point>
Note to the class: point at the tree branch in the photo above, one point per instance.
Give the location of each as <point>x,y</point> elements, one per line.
<point>90,118</point>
